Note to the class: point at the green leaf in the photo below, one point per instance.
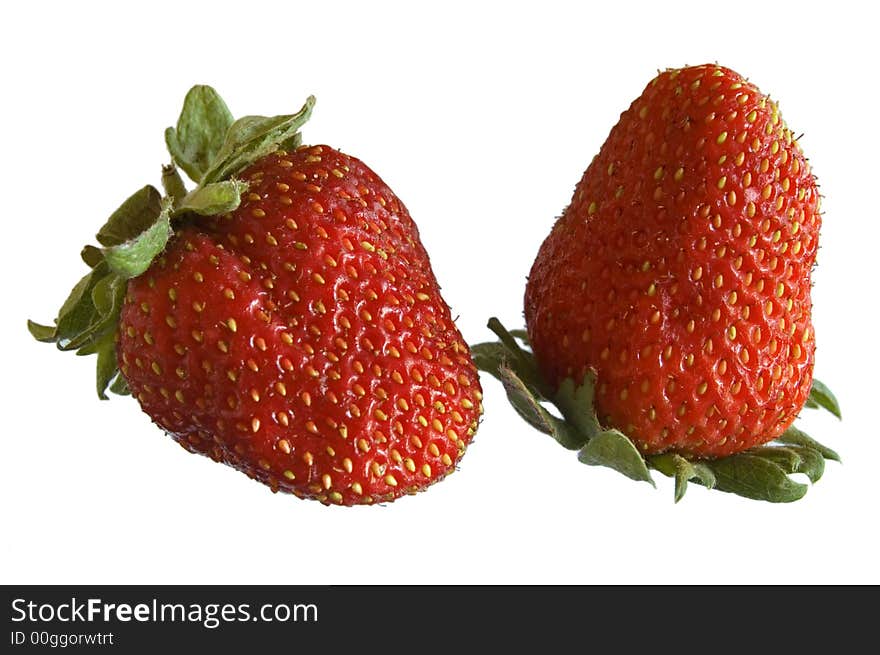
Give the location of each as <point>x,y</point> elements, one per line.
<point>821,396</point>
<point>683,471</point>
<point>106,368</point>
<point>755,477</point>
<point>613,449</point>
<point>201,131</point>
<point>78,312</point>
<point>489,357</point>
<point>107,296</point>
<point>42,333</point>
<point>91,255</point>
<point>812,463</point>
<point>251,138</point>
<point>529,408</point>
<point>104,294</point>
<point>787,459</point>
<point>133,217</point>
<point>575,403</point>
<point>796,437</point>
<point>119,386</point>
<point>702,474</point>
<point>133,257</point>
<point>214,198</point>
<point>173,184</point>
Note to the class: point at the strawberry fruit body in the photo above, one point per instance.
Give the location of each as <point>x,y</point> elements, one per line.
<point>680,272</point>
<point>290,324</point>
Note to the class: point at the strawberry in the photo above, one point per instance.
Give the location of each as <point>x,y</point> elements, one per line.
<point>290,324</point>
<point>680,272</point>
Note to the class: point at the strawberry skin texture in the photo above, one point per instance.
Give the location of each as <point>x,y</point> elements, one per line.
<point>680,272</point>
<point>302,338</point>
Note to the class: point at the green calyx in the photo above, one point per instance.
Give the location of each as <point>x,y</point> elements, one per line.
<point>211,148</point>
<point>761,473</point>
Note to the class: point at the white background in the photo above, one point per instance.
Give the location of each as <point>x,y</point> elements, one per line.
<point>482,118</point>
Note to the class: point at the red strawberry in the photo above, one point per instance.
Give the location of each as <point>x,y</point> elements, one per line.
<point>680,272</point>
<point>301,337</point>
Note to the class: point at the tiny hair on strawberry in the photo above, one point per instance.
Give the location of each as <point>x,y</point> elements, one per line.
<point>281,316</point>
<point>668,312</point>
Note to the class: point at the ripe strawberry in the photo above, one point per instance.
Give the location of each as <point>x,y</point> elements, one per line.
<point>300,335</point>
<point>680,272</point>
